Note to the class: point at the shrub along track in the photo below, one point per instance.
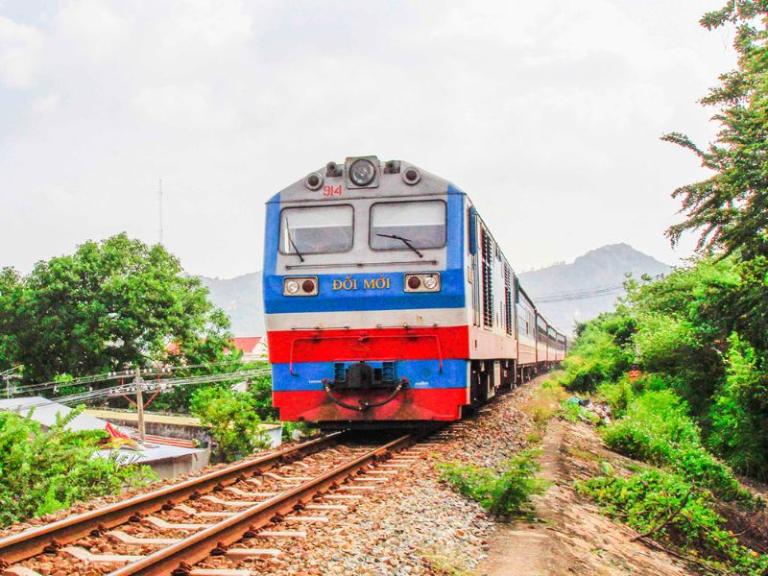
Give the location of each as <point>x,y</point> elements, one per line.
<point>167,531</point>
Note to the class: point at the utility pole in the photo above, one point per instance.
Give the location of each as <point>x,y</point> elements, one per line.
<point>9,375</point>
<point>137,380</point>
<point>160,208</point>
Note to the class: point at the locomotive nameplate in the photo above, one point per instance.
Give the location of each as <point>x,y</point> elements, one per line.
<point>381,283</point>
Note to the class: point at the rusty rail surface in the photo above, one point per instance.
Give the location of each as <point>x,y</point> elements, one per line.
<point>29,543</point>
<point>179,558</point>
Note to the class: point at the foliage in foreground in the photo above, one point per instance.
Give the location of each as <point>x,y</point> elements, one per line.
<point>44,471</point>
<point>669,507</point>
<point>503,493</point>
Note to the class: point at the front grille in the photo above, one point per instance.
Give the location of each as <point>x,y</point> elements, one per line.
<point>364,376</point>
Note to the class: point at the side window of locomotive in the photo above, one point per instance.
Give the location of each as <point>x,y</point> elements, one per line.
<point>316,229</point>
<point>395,225</point>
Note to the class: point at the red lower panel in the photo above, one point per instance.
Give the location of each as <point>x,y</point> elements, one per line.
<point>368,344</point>
<point>316,406</point>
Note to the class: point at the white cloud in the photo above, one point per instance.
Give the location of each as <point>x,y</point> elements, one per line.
<point>211,23</point>
<point>185,107</point>
<point>548,110</point>
<point>92,29</point>
<point>46,104</point>
<point>20,50</point>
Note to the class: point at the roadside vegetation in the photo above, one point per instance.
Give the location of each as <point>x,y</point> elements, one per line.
<point>685,379</point>
<point>42,471</point>
<point>683,360</point>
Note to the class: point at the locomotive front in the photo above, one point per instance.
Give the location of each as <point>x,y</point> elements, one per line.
<point>364,295</point>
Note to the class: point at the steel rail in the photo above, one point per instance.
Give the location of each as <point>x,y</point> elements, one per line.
<point>179,558</point>
<point>49,537</point>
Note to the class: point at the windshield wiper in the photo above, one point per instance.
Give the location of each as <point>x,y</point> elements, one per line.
<point>293,244</point>
<point>405,241</point>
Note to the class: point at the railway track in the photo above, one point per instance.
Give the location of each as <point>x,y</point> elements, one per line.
<point>228,514</point>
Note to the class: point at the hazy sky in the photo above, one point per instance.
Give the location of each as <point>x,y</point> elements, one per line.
<point>547,113</point>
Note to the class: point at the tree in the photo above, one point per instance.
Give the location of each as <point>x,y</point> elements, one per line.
<point>10,291</point>
<point>730,209</point>
<point>110,305</point>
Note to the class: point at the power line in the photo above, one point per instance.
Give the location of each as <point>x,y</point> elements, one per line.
<point>109,376</point>
<point>578,294</point>
<point>159,385</point>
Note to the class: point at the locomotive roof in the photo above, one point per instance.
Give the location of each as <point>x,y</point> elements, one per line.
<point>389,183</point>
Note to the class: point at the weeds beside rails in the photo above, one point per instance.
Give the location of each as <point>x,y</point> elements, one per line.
<point>667,507</point>
<point>657,429</point>
<point>503,492</point>
<point>680,503</point>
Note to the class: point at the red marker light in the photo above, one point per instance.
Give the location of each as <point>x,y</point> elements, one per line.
<point>414,283</point>
<point>308,286</point>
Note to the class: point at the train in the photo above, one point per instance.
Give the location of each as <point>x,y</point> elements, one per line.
<point>388,302</point>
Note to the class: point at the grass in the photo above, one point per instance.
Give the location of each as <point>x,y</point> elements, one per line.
<point>582,454</point>
<point>544,403</point>
<point>669,508</point>
<point>442,564</point>
<point>503,492</point>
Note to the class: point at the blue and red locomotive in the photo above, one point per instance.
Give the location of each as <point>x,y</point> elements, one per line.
<point>387,300</point>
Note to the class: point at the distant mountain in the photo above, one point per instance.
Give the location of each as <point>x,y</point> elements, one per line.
<point>240,297</point>
<point>579,291</point>
<point>564,292</point>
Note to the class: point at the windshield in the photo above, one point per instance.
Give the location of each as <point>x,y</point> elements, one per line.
<point>316,230</point>
<point>408,225</point>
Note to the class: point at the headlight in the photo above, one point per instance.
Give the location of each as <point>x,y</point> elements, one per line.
<point>291,287</point>
<point>362,172</point>
<point>430,282</point>
<point>422,282</point>
<point>306,286</point>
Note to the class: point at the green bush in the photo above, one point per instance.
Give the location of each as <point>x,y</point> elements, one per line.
<point>739,414</point>
<point>505,492</point>
<point>658,414</point>
<point>666,506</point>
<point>261,391</point>
<point>674,346</point>
<point>600,354</point>
<point>42,471</point>
<point>699,332</point>
<point>618,394</point>
<point>657,429</point>
<point>234,421</point>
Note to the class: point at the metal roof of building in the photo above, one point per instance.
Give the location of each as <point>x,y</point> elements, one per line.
<point>148,454</point>
<point>45,411</point>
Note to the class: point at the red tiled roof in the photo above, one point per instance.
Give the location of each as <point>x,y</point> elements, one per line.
<point>246,344</point>
<point>173,348</point>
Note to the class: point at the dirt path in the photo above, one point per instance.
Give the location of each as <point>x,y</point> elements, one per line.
<point>570,536</point>
<point>526,548</point>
